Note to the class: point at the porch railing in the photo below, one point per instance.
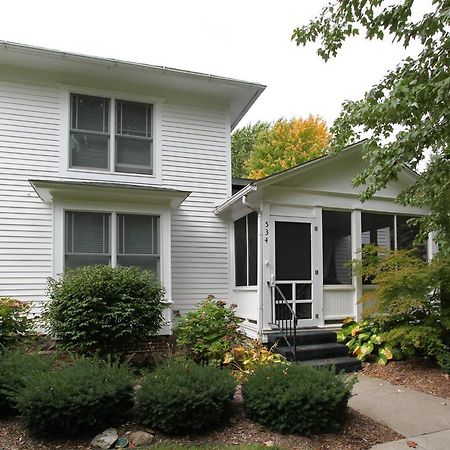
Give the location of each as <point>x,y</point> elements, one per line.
<point>285,319</point>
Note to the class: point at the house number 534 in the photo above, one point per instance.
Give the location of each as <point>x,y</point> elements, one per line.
<point>266,233</point>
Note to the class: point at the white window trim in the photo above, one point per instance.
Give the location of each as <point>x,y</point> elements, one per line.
<point>60,207</point>
<point>109,174</point>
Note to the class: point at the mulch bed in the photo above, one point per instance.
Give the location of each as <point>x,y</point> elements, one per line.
<point>418,374</point>
<point>358,433</point>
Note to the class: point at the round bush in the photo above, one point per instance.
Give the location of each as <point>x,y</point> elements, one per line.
<point>183,397</point>
<point>297,399</point>
<point>88,395</point>
<point>104,310</point>
<point>15,368</point>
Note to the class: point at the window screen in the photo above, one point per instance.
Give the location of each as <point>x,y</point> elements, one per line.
<point>134,137</point>
<point>89,133</point>
<point>246,250</point>
<point>406,233</point>
<point>138,241</point>
<point>87,239</point>
<point>378,229</point>
<point>337,247</point>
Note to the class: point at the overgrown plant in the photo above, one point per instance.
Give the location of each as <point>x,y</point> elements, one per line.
<point>14,323</point>
<point>247,357</point>
<point>104,310</point>
<point>365,341</point>
<point>407,303</point>
<point>210,331</point>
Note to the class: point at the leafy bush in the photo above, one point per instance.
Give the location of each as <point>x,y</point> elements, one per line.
<point>183,397</point>
<point>210,331</point>
<point>297,399</point>
<point>365,340</point>
<point>244,359</point>
<point>410,305</point>
<point>14,324</point>
<point>88,395</point>
<point>104,310</point>
<point>15,367</point>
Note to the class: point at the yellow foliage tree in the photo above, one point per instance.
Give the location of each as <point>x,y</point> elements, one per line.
<point>286,144</point>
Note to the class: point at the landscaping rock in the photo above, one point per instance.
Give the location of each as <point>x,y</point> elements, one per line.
<point>105,439</point>
<point>140,438</point>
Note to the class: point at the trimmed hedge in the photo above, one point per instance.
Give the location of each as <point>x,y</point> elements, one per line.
<point>182,397</point>
<point>88,395</point>
<point>104,310</point>
<point>297,399</point>
<point>15,368</point>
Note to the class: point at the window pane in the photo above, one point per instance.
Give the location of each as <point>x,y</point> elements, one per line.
<point>337,247</point>
<point>293,251</point>
<point>144,262</point>
<point>133,155</point>
<point>378,229</point>
<point>240,251</point>
<point>138,234</point>
<point>133,118</point>
<point>303,291</point>
<point>406,233</point>
<point>87,238</point>
<point>303,310</point>
<point>89,113</point>
<point>89,150</point>
<point>73,261</point>
<point>252,220</point>
<point>286,290</point>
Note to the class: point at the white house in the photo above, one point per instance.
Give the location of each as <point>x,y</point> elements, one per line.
<point>111,162</point>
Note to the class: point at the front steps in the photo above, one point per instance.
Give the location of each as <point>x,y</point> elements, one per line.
<point>317,348</point>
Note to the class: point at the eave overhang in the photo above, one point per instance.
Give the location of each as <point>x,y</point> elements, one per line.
<point>50,190</point>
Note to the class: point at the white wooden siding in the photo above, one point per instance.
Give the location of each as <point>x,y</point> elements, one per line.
<point>29,148</point>
<point>195,144</point>
<point>195,157</point>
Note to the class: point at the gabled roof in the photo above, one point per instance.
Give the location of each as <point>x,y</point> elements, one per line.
<point>240,94</point>
<point>295,171</point>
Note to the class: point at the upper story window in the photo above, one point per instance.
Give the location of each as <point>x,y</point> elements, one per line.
<point>111,135</point>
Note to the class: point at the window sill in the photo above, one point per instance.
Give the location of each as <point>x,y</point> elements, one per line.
<point>338,287</point>
<point>245,288</point>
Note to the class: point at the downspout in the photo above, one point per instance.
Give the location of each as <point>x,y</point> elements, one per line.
<point>260,262</point>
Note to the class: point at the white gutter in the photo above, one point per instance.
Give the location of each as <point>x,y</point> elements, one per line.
<point>230,200</point>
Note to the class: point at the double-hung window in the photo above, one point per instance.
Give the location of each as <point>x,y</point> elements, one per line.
<point>89,237</point>
<point>111,135</point>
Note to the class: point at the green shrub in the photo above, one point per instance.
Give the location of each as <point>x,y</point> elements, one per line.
<point>183,397</point>
<point>14,323</point>
<point>297,399</point>
<point>210,331</point>
<point>15,367</point>
<point>104,310</point>
<point>366,341</point>
<point>88,395</point>
<point>410,306</point>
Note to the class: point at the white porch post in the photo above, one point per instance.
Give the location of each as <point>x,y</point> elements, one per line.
<point>356,254</point>
<point>267,267</point>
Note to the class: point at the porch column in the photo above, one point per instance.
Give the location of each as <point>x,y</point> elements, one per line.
<point>356,254</point>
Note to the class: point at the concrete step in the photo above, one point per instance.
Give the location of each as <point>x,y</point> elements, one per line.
<point>346,363</point>
<point>305,337</point>
<point>315,351</point>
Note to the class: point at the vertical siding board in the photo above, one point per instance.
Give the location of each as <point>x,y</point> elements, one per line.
<point>29,126</point>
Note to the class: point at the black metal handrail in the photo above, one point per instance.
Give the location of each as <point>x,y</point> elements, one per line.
<point>287,323</point>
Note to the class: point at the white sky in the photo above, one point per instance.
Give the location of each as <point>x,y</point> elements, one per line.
<point>246,39</point>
